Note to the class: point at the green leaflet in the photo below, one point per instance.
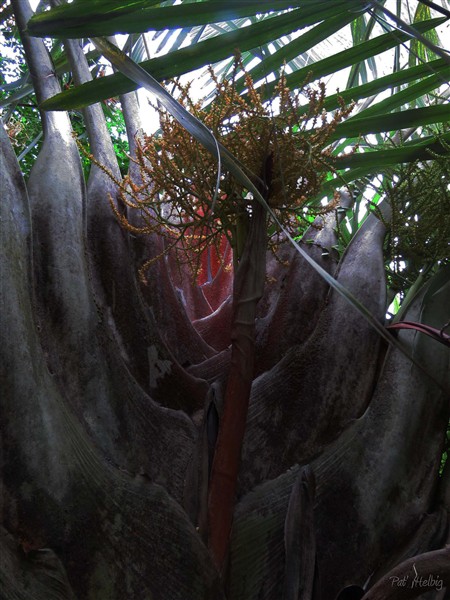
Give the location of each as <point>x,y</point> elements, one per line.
<point>80,19</point>
<point>415,117</point>
<point>372,161</point>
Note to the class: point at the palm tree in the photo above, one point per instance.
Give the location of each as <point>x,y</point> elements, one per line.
<point>115,392</point>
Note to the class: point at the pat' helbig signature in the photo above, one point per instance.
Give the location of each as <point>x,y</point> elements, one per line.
<point>418,581</point>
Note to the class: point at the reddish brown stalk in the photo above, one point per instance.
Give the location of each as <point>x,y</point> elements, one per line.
<point>437,334</point>
<point>248,289</point>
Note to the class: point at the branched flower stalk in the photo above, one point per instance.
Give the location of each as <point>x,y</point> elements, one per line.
<point>418,242</point>
<point>286,154</point>
<point>420,229</point>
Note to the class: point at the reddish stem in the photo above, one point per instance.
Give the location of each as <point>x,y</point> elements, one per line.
<point>248,289</point>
